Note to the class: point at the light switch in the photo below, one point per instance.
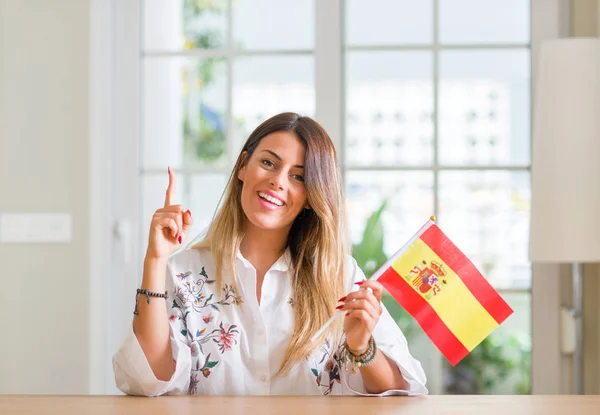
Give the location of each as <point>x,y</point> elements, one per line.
<point>49,228</point>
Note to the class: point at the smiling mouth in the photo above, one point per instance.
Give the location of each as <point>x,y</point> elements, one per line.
<point>271,199</point>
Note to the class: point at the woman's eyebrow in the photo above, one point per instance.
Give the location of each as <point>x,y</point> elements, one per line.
<point>279,158</point>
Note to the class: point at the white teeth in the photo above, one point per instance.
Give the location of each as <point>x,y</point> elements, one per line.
<point>270,199</point>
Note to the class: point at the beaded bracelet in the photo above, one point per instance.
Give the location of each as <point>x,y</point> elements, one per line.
<point>148,294</point>
<point>365,358</point>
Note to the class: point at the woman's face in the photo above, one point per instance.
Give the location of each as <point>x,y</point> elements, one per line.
<point>273,192</point>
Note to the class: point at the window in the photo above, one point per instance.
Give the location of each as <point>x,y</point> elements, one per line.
<point>213,70</point>
<point>436,120</point>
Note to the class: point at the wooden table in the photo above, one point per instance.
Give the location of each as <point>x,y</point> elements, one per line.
<point>291,405</point>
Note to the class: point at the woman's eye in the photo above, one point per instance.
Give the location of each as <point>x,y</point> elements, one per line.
<point>298,177</point>
<point>267,163</point>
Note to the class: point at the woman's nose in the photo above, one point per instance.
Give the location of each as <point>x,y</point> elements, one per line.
<point>279,181</point>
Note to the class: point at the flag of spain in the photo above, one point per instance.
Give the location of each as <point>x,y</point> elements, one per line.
<point>441,288</point>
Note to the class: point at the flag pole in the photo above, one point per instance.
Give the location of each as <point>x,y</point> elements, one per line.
<point>379,272</point>
<point>394,257</point>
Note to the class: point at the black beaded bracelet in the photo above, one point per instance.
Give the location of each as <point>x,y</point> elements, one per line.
<point>148,294</point>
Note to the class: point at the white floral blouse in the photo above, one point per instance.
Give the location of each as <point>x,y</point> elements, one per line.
<point>234,346</point>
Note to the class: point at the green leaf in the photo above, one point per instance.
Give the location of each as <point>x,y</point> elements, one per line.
<point>184,332</point>
<point>174,304</point>
<point>369,253</point>
<point>315,372</point>
<point>210,365</point>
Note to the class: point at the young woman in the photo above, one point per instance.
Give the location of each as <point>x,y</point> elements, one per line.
<point>235,313</point>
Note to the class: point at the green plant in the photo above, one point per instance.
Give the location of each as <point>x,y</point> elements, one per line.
<point>369,252</point>
<point>498,358</point>
<point>204,131</point>
<point>370,256</point>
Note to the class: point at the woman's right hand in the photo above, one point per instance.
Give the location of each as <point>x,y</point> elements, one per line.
<point>169,226</point>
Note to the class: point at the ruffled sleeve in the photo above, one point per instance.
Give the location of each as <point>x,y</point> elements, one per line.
<point>133,374</point>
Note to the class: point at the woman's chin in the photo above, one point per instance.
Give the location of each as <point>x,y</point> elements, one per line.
<point>268,223</point>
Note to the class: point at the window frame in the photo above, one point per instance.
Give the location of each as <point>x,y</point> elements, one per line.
<point>114,84</point>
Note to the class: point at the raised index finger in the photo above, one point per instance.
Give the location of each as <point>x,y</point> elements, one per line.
<point>170,196</point>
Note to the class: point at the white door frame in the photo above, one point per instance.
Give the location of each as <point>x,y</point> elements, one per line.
<point>100,135</point>
<point>114,175</point>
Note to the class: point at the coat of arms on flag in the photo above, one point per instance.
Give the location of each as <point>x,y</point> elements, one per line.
<point>444,292</point>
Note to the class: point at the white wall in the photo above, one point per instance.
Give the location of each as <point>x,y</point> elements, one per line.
<point>44,49</point>
<point>553,370</point>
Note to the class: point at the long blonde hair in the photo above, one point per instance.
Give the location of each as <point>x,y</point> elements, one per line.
<point>316,241</point>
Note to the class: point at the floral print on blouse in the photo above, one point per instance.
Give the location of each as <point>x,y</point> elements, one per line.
<point>230,344</point>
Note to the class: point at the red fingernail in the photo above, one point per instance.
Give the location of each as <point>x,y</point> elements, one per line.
<point>190,212</point>
<point>359,283</point>
<point>180,239</point>
<point>339,307</point>
<point>169,169</point>
<point>348,313</point>
<point>342,299</point>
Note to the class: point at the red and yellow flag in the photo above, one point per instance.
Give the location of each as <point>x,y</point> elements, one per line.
<point>441,288</point>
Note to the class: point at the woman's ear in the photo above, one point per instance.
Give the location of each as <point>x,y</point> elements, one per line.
<point>242,171</point>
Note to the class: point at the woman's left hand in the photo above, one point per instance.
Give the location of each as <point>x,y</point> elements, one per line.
<point>363,311</point>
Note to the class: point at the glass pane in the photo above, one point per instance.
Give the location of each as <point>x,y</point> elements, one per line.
<point>274,24</point>
<point>484,107</point>
<point>365,193</point>
<point>268,85</point>
<point>386,22</point>
<point>177,24</point>
<point>184,105</point>
<point>486,214</point>
<point>484,21</point>
<point>501,364</point>
<point>367,190</point>
<point>202,198</point>
<point>389,108</point>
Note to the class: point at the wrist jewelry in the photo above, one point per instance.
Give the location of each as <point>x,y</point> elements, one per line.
<point>364,359</point>
<point>148,294</point>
